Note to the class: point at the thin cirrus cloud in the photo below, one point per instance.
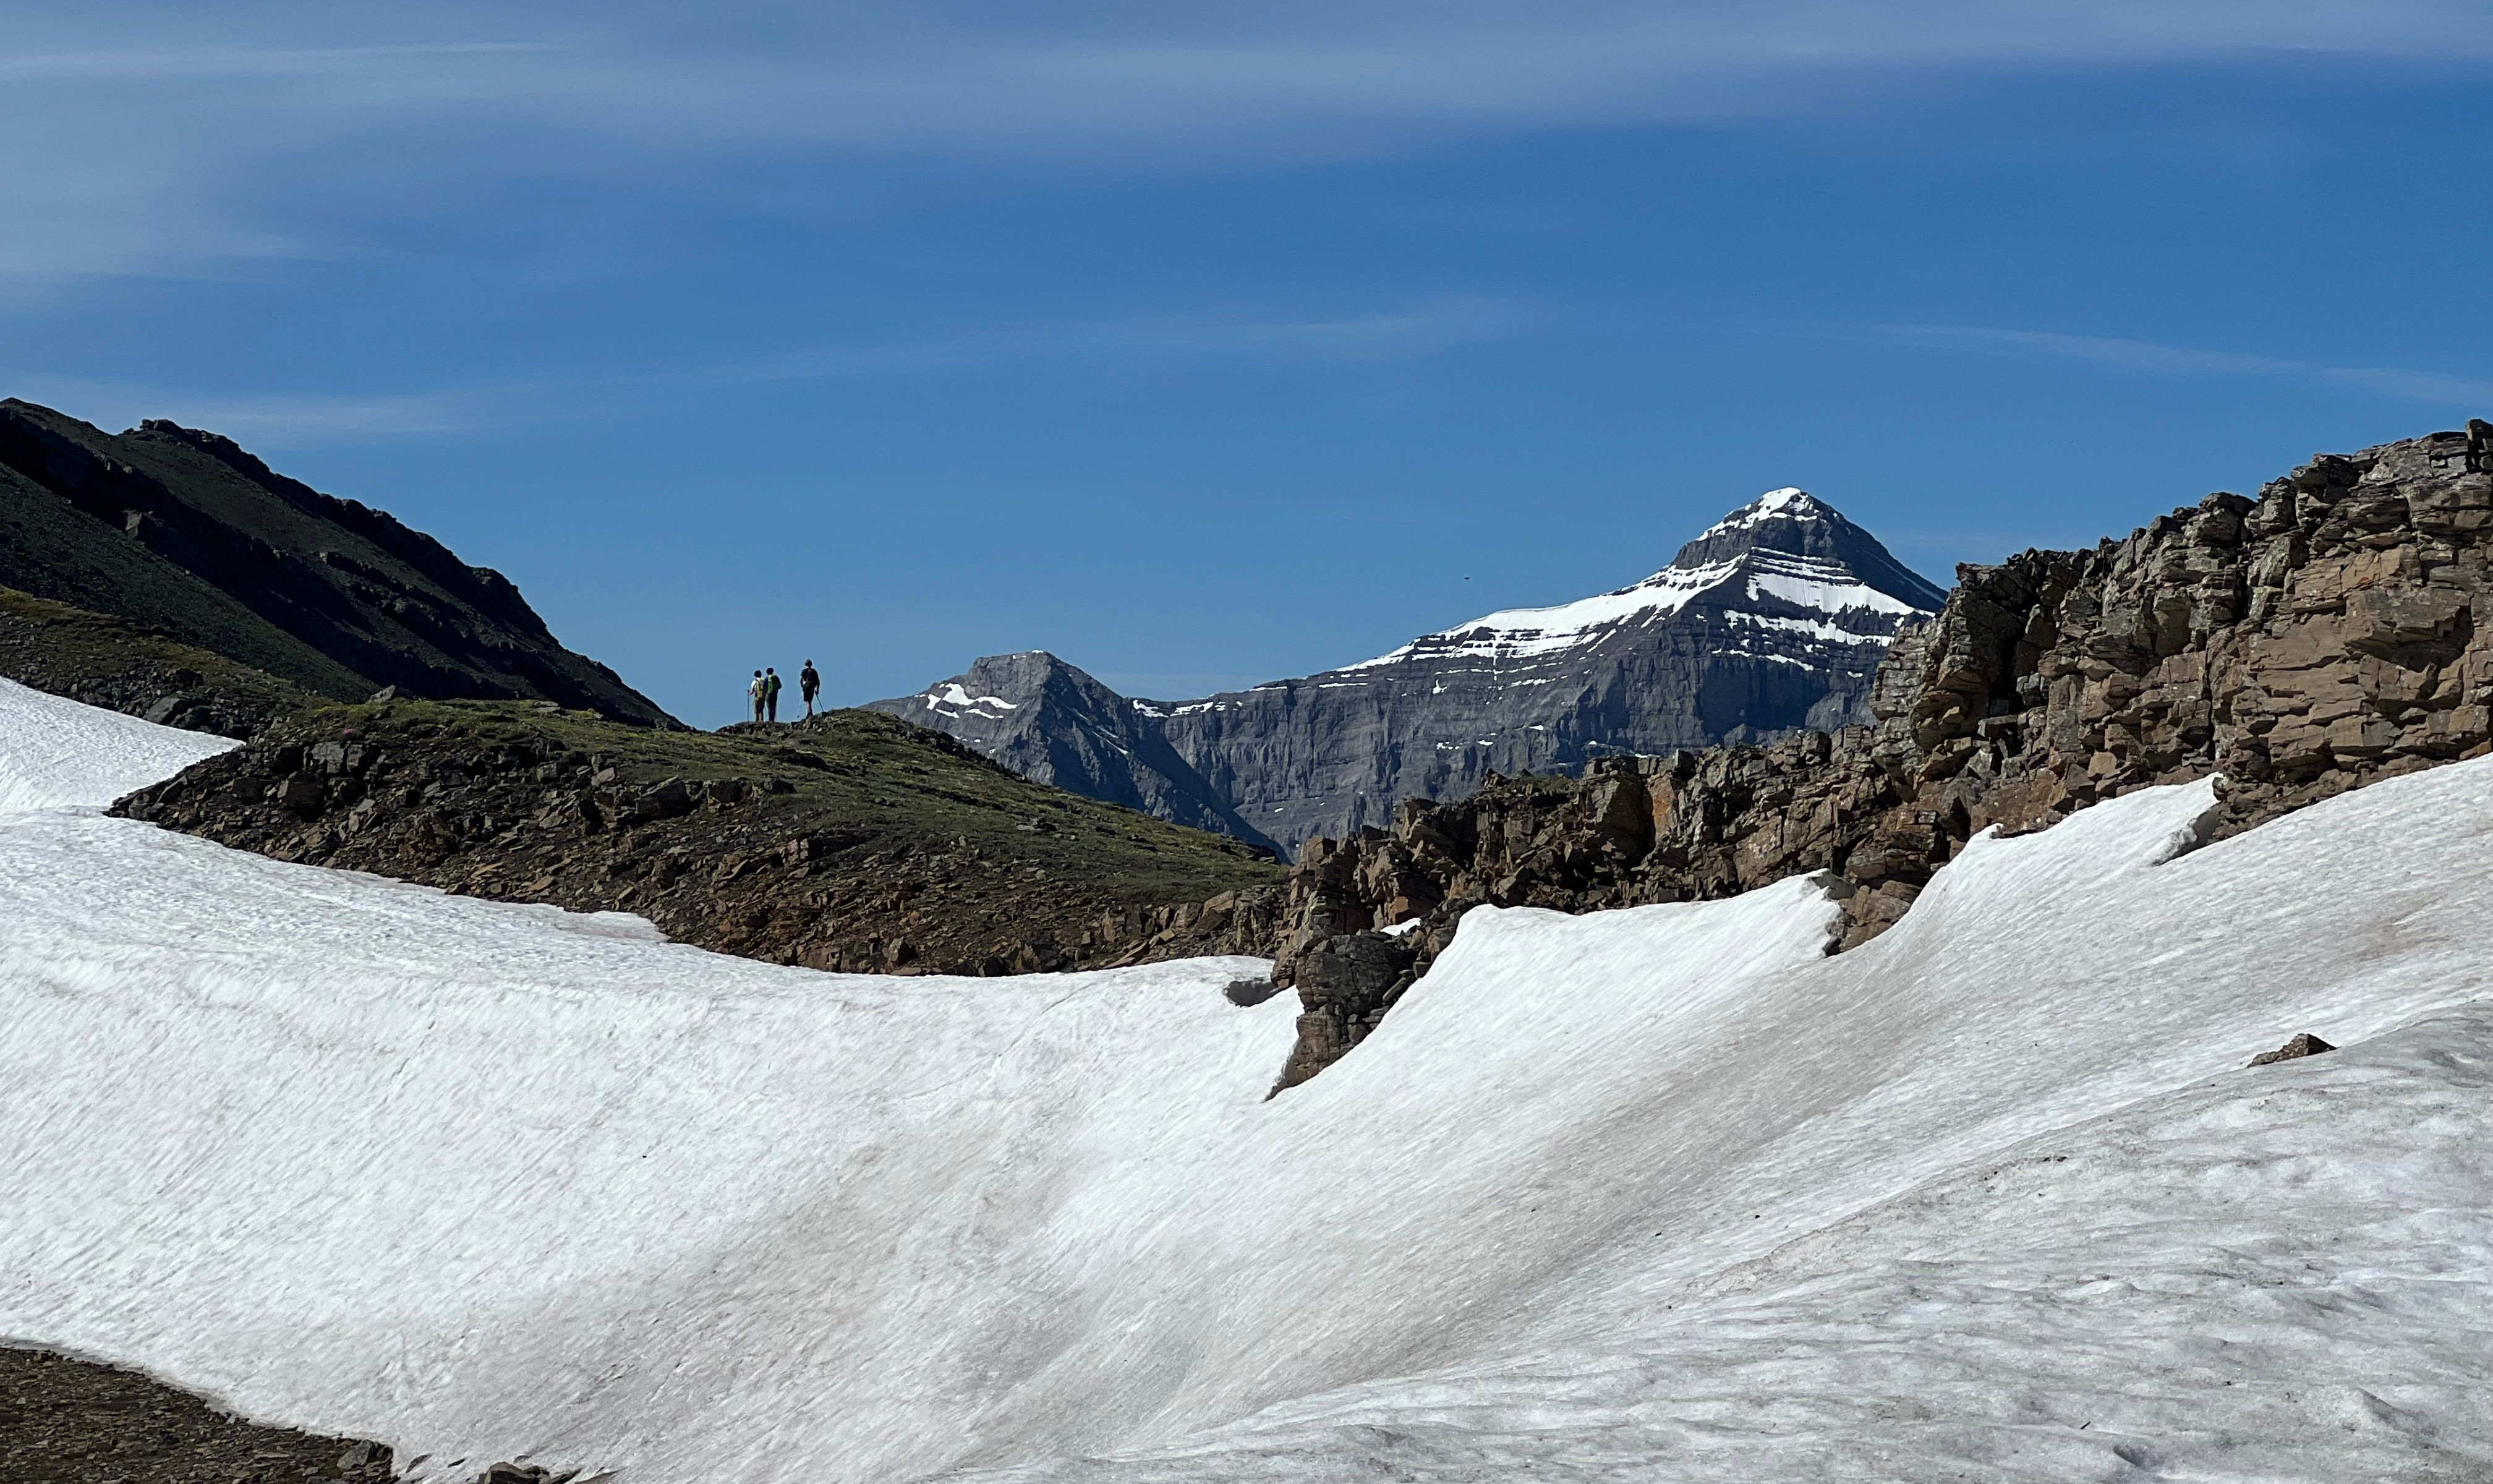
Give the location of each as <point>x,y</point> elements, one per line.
<point>204,144</point>
<point>295,421</point>
<point>2434,387</point>
<point>157,65</point>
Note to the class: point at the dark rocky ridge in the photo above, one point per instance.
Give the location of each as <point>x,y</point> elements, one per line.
<point>183,533</point>
<point>1771,620</point>
<point>851,841</point>
<point>2335,631</point>
<point>103,661</point>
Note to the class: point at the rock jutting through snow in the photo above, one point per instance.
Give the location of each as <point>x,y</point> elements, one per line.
<point>2335,631</point>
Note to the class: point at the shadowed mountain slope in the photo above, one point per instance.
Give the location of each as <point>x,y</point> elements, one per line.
<point>185,533</point>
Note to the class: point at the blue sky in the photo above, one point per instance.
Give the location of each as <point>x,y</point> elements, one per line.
<point>1206,345</point>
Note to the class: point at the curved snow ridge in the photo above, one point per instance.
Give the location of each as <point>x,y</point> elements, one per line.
<point>450,1174</point>
<point>57,753</point>
<point>1994,1195</point>
<point>2267,1275</point>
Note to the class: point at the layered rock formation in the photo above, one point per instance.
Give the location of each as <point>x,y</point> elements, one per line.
<point>2332,632</point>
<point>185,533</point>
<point>1771,620</point>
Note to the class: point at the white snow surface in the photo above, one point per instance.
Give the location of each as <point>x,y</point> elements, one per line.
<point>1657,1195</point>
<point>56,753</point>
<point>1817,583</point>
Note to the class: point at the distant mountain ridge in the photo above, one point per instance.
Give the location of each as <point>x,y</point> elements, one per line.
<point>1771,620</point>
<point>1070,730</point>
<point>184,532</point>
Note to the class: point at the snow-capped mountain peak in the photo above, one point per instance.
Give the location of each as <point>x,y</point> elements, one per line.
<point>1787,503</point>
<point>1784,549</point>
<point>1773,619</point>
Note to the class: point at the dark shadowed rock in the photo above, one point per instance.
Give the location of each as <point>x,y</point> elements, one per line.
<point>182,533</point>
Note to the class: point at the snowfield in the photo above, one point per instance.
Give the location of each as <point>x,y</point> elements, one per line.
<point>1652,1194</point>
<point>56,752</point>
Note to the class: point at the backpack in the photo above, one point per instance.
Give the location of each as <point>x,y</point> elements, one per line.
<point>770,684</point>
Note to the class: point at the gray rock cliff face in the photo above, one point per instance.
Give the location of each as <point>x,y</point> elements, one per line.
<point>1772,621</point>
<point>1048,722</point>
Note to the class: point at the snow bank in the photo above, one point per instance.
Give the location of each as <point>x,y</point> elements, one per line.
<point>1654,1194</point>
<point>55,752</point>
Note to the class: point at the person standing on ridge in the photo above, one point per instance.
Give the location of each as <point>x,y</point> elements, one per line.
<point>809,684</point>
<point>770,693</point>
<point>755,692</point>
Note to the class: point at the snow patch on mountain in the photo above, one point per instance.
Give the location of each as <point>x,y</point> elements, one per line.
<point>1516,633</point>
<point>56,754</point>
<point>952,699</point>
<point>1822,583</point>
<point>1659,1193</point>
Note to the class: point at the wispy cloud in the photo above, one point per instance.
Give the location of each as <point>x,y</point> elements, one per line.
<point>295,420</point>
<point>165,65</point>
<point>277,420</point>
<point>193,148</point>
<point>1394,335</point>
<point>2436,387</point>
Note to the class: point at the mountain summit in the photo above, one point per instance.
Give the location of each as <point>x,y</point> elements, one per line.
<point>1772,619</point>
<point>1788,558</point>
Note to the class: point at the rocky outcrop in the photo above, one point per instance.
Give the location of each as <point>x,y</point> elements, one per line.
<point>182,531</point>
<point>851,841</point>
<point>2328,634</point>
<point>2300,1046</point>
<point>1772,619</point>
<point>1065,728</point>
